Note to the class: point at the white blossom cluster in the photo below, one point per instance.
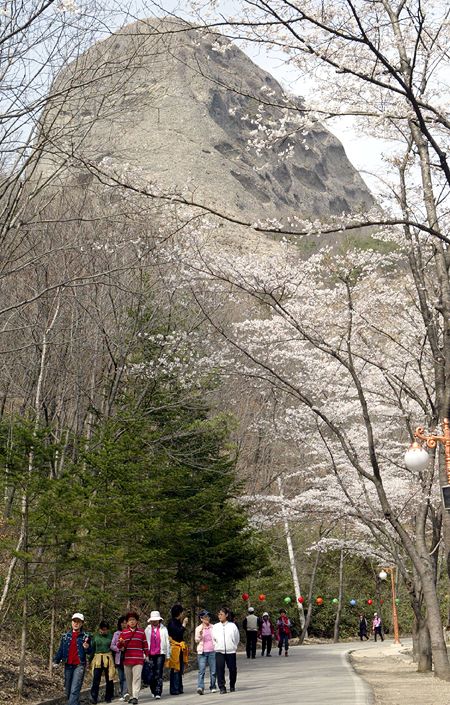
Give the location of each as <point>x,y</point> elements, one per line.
<point>318,313</point>
<point>67,6</point>
<point>174,358</point>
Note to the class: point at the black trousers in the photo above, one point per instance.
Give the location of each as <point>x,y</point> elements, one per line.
<point>377,631</point>
<point>230,661</point>
<point>96,678</point>
<point>176,678</point>
<point>156,673</point>
<point>266,644</point>
<point>251,644</point>
<point>283,641</point>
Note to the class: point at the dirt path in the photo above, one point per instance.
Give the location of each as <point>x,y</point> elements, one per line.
<point>393,677</point>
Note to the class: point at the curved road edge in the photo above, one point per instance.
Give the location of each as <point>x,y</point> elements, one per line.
<point>363,691</point>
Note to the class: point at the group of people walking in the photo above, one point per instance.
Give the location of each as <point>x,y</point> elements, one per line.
<point>363,627</point>
<point>263,628</point>
<point>139,655</point>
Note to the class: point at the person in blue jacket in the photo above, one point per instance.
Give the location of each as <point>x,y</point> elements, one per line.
<point>74,647</point>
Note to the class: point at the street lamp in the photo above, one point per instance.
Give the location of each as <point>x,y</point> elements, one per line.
<point>383,575</point>
<point>416,457</point>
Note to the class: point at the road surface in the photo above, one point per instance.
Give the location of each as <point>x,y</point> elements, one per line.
<point>319,674</point>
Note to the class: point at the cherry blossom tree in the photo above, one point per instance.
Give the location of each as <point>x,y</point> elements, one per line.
<point>383,65</point>
<point>339,338</point>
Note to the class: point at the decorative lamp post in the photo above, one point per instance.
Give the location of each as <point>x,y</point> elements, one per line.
<point>383,575</point>
<point>416,457</point>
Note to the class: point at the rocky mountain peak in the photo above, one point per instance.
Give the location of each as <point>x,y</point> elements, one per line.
<point>196,115</point>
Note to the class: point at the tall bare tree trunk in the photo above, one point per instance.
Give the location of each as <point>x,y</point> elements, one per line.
<point>11,567</point>
<point>422,645</point>
<point>23,636</point>
<point>337,619</point>
<point>292,564</point>
<point>304,633</point>
<point>51,646</point>
<point>25,497</point>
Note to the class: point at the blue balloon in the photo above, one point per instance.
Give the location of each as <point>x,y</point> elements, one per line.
<point>353,603</point>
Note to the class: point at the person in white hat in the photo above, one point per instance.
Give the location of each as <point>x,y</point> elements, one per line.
<point>267,633</point>
<point>74,647</point>
<point>158,650</point>
<point>376,627</point>
<point>251,625</point>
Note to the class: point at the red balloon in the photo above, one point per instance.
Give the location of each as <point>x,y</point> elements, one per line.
<point>203,588</point>
<point>301,599</point>
<point>245,596</point>
<point>369,602</point>
<point>381,601</point>
<point>261,597</point>
<point>319,601</point>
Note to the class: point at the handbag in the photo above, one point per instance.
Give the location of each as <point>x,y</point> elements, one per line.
<point>146,673</point>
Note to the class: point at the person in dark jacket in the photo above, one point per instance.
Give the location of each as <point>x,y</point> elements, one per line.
<point>74,647</point>
<point>363,627</point>
<point>176,628</point>
<point>284,632</point>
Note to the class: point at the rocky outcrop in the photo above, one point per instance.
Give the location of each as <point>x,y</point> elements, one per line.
<point>197,116</point>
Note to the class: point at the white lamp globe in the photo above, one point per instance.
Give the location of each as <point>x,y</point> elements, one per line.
<point>382,575</point>
<point>416,457</point>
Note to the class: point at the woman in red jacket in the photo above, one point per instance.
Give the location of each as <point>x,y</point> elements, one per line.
<point>284,632</point>
<point>133,642</point>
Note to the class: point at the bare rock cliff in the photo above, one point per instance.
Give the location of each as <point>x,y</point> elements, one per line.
<point>197,116</point>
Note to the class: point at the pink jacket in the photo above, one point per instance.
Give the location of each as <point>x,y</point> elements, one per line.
<point>199,638</point>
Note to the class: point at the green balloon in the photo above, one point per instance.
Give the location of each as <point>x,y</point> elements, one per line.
<point>397,601</point>
<point>287,600</point>
<point>334,600</point>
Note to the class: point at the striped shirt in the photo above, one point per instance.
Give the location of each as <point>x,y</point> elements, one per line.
<point>136,646</point>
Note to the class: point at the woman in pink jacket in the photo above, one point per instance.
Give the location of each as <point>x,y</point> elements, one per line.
<point>206,655</point>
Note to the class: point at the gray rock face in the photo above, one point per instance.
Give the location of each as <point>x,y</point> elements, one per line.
<point>197,116</point>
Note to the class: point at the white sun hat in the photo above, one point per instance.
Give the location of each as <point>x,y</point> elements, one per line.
<point>154,616</point>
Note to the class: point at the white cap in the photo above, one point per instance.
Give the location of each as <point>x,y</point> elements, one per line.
<point>154,616</point>
<point>251,609</point>
<point>78,615</point>
<point>265,614</point>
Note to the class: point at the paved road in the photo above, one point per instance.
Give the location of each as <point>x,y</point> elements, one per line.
<point>311,675</point>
